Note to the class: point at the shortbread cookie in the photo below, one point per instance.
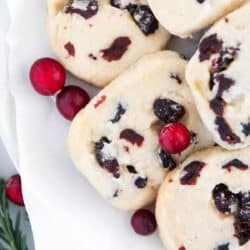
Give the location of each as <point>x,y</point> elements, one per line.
<point>205,204</point>
<point>114,140</point>
<point>219,79</point>
<point>97,39</point>
<point>185,17</point>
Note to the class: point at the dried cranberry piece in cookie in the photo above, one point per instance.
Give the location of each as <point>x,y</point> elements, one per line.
<point>168,111</point>
<point>208,46</point>
<point>217,105</point>
<point>144,18</point>
<point>191,172</point>
<point>236,164</point>
<point>117,49</point>
<point>106,160</point>
<point>225,132</point>
<point>131,136</point>
<point>224,200</point>
<point>70,48</point>
<point>84,8</point>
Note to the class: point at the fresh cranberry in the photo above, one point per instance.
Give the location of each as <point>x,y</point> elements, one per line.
<point>13,190</point>
<point>47,76</point>
<point>71,100</point>
<point>143,222</point>
<point>174,138</point>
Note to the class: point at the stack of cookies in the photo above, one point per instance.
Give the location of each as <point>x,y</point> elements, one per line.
<point>164,128</point>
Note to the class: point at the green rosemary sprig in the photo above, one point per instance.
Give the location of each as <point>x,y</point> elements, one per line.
<point>11,234</point>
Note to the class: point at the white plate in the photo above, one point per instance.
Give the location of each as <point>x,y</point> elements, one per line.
<point>66,212</point>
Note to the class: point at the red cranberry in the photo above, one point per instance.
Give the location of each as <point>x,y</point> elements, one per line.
<point>174,138</point>
<point>47,76</point>
<point>143,222</point>
<point>13,190</point>
<point>71,100</point>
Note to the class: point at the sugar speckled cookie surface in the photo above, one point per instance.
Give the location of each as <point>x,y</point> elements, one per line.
<point>218,75</point>
<point>184,17</point>
<point>114,140</point>
<point>97,39</point>
<point>205,204</point>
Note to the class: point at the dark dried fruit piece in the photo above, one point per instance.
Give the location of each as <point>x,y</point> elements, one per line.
<point>222,247</point>
<point>131,136</point>
<point>107,162</point>
<point>191,172</point>
<point>144,18</point>
<point>167,160</point>
<point>246,129</point>
<point>225,201</point>
<point>168,111</point>
<point>90,8</point>
<point>208,46</point>
<point>141,182</point>
<point>217,105</point>
<point>224,83</point>
<point>131,169</point>
<point>120,112</point>
<point>117,49</point>
<point>236,164</point>
<point>226,57</point>
<point>225,131</point>
<point>242,230</point>
<point>242,221</point>
<point>118,4</point>
<point>244,212</point>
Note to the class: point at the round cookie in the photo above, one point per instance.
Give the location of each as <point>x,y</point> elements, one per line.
<point>218,76</point>
<point>205,204</point>
<point>98,39</point>
<point>185,17</point>
<point>114,140</point>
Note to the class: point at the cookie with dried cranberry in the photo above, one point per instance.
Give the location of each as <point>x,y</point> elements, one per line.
<point>114,140</point>
<point>185,17</point>
<point>98,39</point>
<point>218,76</point>
<point>205,204</point>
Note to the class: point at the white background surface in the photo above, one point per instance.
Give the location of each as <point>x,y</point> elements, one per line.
<point>65,211</point>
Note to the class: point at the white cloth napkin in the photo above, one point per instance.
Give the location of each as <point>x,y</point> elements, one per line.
<point>65,211</point>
